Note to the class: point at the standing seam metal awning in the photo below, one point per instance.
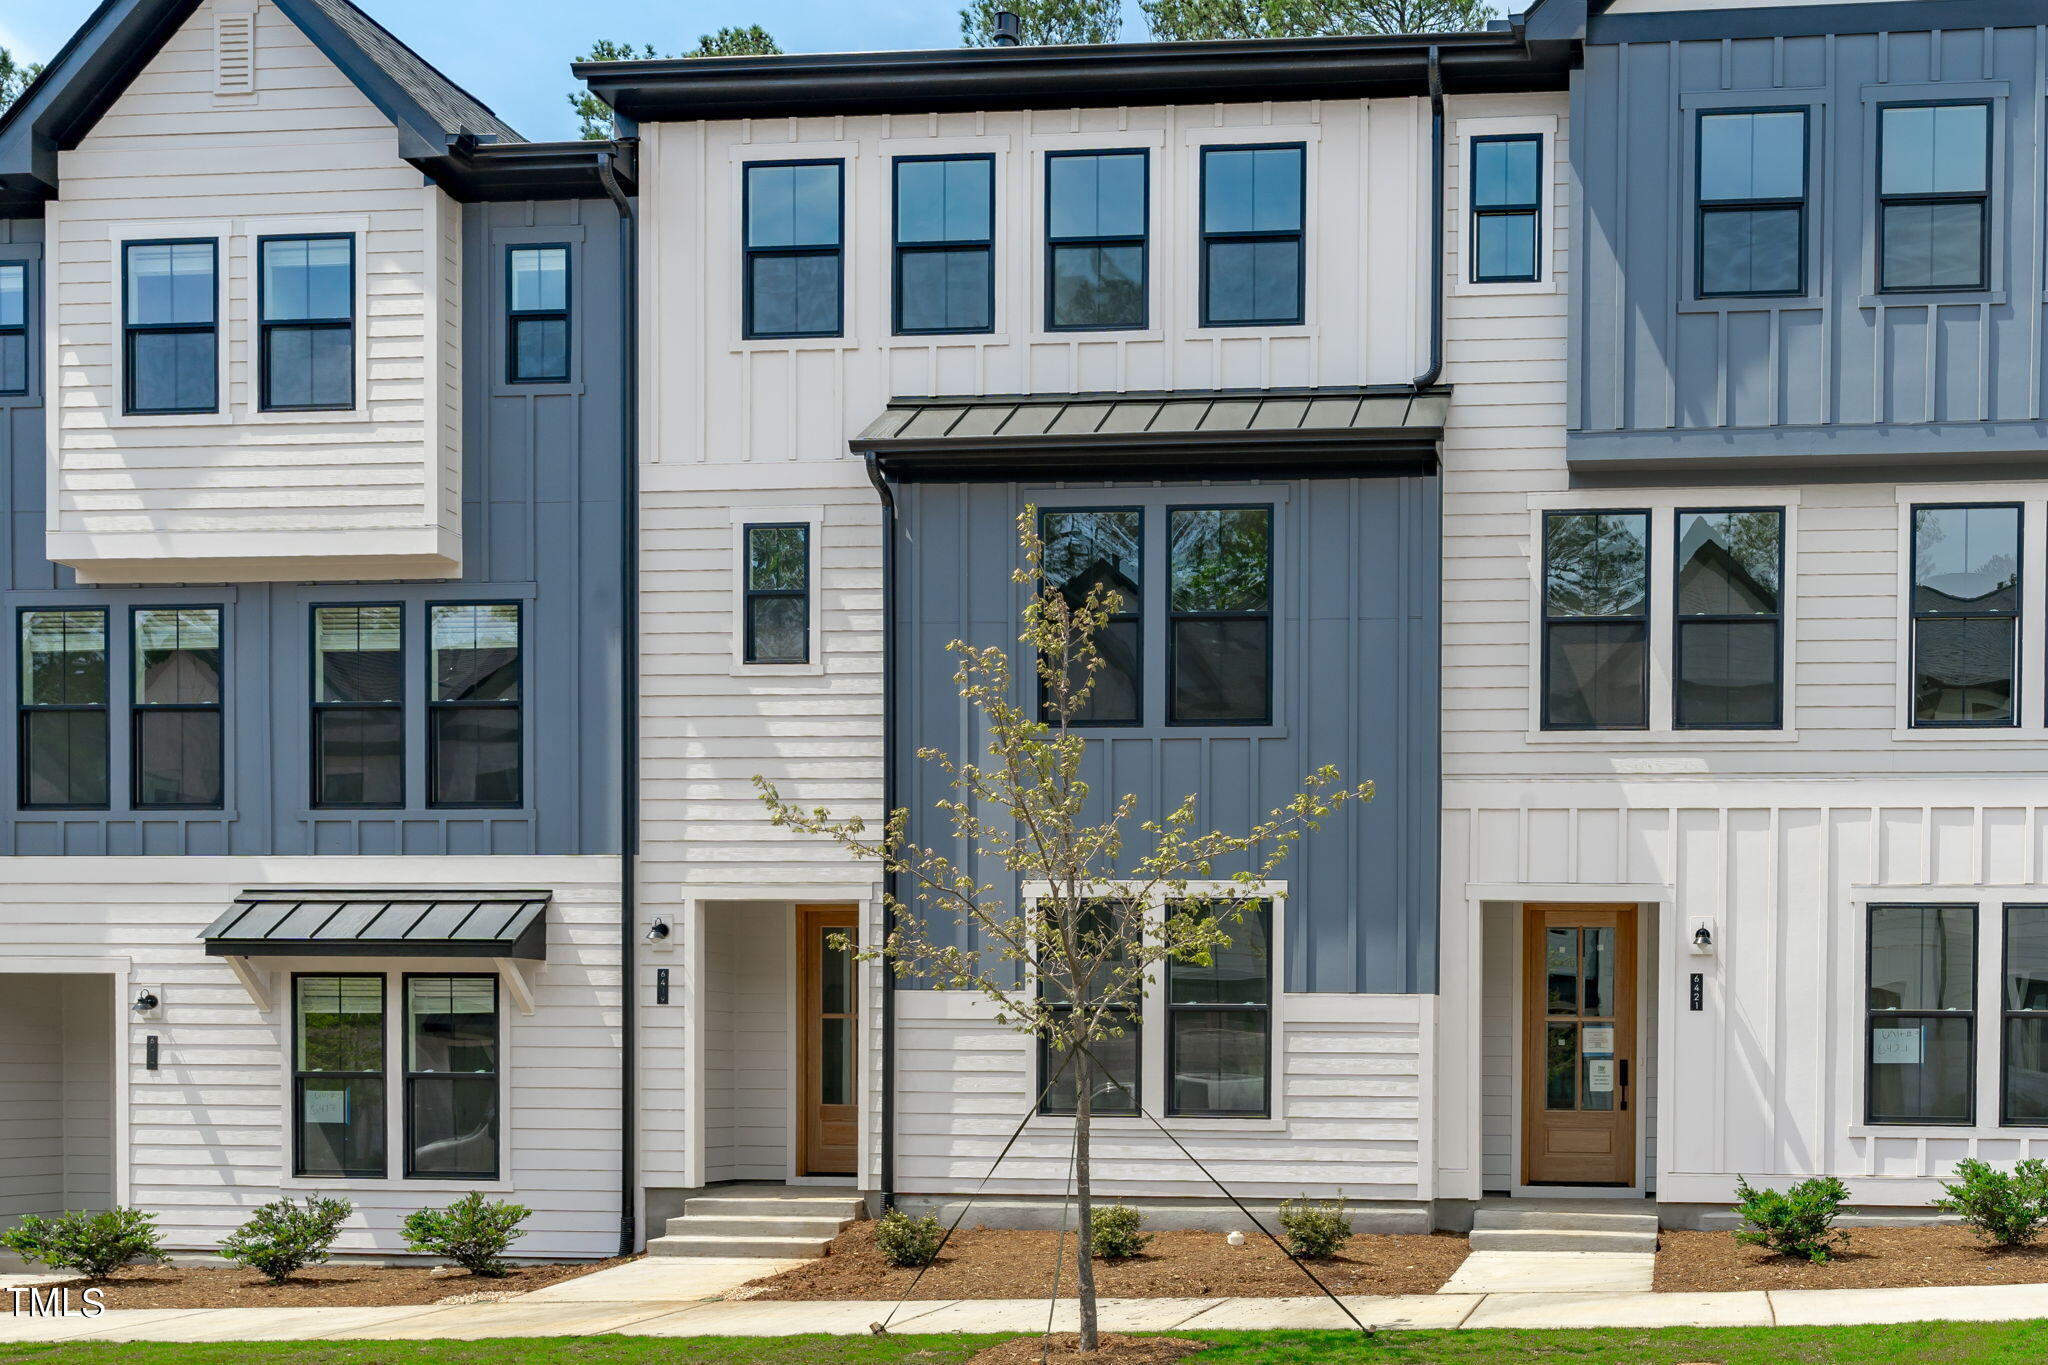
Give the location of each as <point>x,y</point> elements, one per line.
<point>378,923</point>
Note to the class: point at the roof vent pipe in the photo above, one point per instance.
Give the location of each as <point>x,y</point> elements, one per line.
<point>1009,29</point>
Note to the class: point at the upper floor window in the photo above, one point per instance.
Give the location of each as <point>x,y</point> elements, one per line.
<point>308,289</point>
<point>1507,211</point>
<point>13,327</point>
<point>177,712</point>
<point>358,706</point>
<point>1596,622</point>
<point>1091,548</point>
<point>170,335</point>
<point>1752,203</point>
<point>1254,206</point>
<point>794,235</point>
<point>778,593</point>
<point>1921,1010</point>
<point>537,315</point>
<point>1965,615</point>
<point>63,723</point>
<point>473,705</point>
<point>1934,197</point>
<point>1096,221</point>
<point>945,244</point>
<point>1220,601</point>
<point>1729,650</point>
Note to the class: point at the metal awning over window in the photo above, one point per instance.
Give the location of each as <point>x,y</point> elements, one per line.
<point>498,924</point>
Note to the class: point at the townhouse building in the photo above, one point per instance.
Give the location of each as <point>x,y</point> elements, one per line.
<point>315,458</point>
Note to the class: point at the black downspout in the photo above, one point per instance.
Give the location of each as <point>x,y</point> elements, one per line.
<point>1436,223</point>
<point>888,498</point>
<point>629,705</point>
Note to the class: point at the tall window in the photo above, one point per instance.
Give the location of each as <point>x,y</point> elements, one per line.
<point>338,1076</point>
<point>171,335</point>
<point>1729,648</point>
<point>1096,220</point>
<point>2024,985</point>
<point>358,706</point>
<point>1507,208</point>
<point>177,707</point>
<point>63,730</point>
<point>308,288</point>
<point>1934,197</point>
<point>1254,204</point>
<point>1966,607</point>
<point>13,327</point>
<point>1922,1019</point>
<point>451,1077</point>
<point>1596,620</point>
<point>473,705</point>
<point>537,321</point>
<point>778,593</point>
<point>1220,596</point>
<point>1752,203</point>
<point>1219,1049</point>
<point>945,244</point>
<point>1103,548</point>
<point>795,222</point>
<point>1115,1092</point>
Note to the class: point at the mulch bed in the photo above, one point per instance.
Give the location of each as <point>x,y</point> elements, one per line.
<point>325,1286</point>
<point>1115,1349</point>
<point>1876,1258</point>
<point>1001,1264</point>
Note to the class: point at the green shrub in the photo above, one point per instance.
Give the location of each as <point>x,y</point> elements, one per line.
<point>2008,1208</point>
<point>1795,1222</point>
<point>284,1238</point>
<point>1114,1235</point>
<point>1315,1231</point>
<point>471,1232</point>
<point>94,1244</point>
<point>906,1241</point>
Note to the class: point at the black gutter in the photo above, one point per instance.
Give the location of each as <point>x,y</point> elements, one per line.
<point>889,883</point>
<point>537,170</point>
<point>1436,219</point>
<point>629,704</point>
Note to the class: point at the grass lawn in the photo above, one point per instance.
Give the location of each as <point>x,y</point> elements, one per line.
<point>1953,1343</point>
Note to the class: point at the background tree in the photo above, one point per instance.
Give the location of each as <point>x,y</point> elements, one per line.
<point>14,77</point>
<point>1045,21</point>
<point>595,116</point>
<point>1117,901</point>
<point>1194,19</point>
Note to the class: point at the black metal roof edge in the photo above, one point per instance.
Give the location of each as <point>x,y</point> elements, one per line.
<point>1396,459</point>
<point>520,947</point>
<point>1149,456</point>
<point>440,893</point>
<point>989,400</point>
<point>483,171</point>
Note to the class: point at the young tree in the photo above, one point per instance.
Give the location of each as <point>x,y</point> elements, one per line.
<point>1045,21</point>
<point>1192,19</point>
<point>595,116</point>
<point>15,77</point>
<point>1111,904</point>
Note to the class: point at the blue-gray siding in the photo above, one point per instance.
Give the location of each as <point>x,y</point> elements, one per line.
<point>1356,632</point>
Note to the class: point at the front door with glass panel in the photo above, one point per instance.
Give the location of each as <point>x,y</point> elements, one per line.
<point>828,1108</point>
<point>1578,1045</point>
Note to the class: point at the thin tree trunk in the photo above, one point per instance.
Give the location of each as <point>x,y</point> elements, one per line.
<point>1084,1260</point>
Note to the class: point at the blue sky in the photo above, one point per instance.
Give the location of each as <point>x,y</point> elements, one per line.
<point>514,54</point>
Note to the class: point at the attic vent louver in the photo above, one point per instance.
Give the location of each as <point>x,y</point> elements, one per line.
<point>234,53</point>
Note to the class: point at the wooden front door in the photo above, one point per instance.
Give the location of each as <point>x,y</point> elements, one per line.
<point>1578,1045</point>
<point>828,1004</point>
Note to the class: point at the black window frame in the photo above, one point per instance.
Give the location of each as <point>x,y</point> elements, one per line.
<point>2006,1014</point>
<point>1264,909</point>
<point>1914,616</point>
<point>515,315</point>
<point>434,707</point>
<point>1132,611</point>
<point>138,708</point>
<point>1982,200</point>
<point>1681,619</point>
<point>129,330</point>
<point>24,708</point>
<point>749,594</point>
<point>1649,516</point>
<point>1702,206</point>
<point>749,253</point>
<point>299,1075</point>
<point>19,330</point>
<point>1143,241</point>
<point>1130,1020</point>
<point>265,327</point>
<point>317,708</point>
<point>900,249</point>
<point>1871,1016</point>
<point>497,1073</point>
<point>1271,614</point>
<point>1532,210</point>
<point>1209,239</point>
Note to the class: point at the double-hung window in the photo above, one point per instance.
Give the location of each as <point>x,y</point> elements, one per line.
<point>1220,627</point>
<point>1729,643</point>
<point>1596,620</point>
<point>64,723</point>
<point>177,715</point>
<point>451,1077</point>
<point>1101,934</point>
<point>338,1076</point>
<point>359,706</point>
<point>473,705</point>
<point>307,288</point>
<point>795,230</point>
<point>1219,1014</point>
<point>13,327</point>
<point>1096,221</point>
<point>2024,984</point>
<point>1921,1049</point>
<point>1934,197</point>
<point>1751,231</point>
<point>1101,549</point>
<point>170,333</point>
<point>1507,209</point>
<point>1965,615</point>
<point>778,592</point>
<point>945,244</point>
<point>537,314</point>
<point>1254,207</point>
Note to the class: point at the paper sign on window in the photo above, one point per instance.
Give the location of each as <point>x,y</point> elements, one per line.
<point>327,1106</point>
<point>1896,1046</point>
<point>1597,1039</point>
<point>1599,1077</point>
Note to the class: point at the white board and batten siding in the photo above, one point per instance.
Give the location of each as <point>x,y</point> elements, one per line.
<point>233,131</point>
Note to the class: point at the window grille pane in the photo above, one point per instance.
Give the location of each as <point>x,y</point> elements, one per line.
<point>1237,973</point>
<point>1920,1070</point>
<point>361,757</point>
<point>1964,671</point>
<point>540,348</point>
<point>1220,671</point>
<point>1098,286</point>
<point>1119,1055</point>
<point>341,1126</point>
<point>475,756</point>
<point>540,279</point>
<point>476,652</point>
<point>795,295</point>
<point>1254,281</point>
<point>177,758</point>
<point>944,201</point>
<point>778,630</point>
<point>453,1123</point>
<point>1934,246</point>
<point>13,362</point>
<point>778,558</point>
<point>1597,564</point>
<point>1221,559</point>
<point>359,651</point>
<point>452,1024</point>
<point>2026,1069</point>
<point>13,295</point>
<point>1096,196</point>
<point>944,290</point>
<point>1728,562</point>
<point>1504,171</point>
<point>64,658</point>
<point>64,758</point>
<point>1751,251</point>
<point>172,371</point>
<point>792,206</point>
<point>1922,957</point>
<point>1220,1061</point>
<point>1727,673</point>
<point>1936,149</point>
<point>1753,156</point>
<point>309,367</point>
<point>1506,246</point>
<point>1596,675</point>
<point>171,283</point>
<point>306,279</point>
<point>2026,957</point>
<point>177,657</point>
<point>1966,559</point>
<point>1252,190</point>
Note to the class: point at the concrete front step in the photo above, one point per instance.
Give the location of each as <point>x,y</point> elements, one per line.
<point>786,1248</point>
<point>764,1225</point>
<point>1495,1217</point>
<point>1560,1239</point>
<point>768,1206</point>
